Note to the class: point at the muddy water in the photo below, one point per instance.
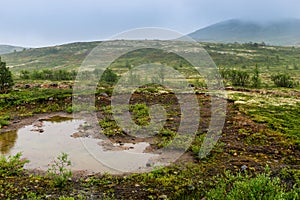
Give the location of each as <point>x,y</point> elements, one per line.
<point>42,141</point>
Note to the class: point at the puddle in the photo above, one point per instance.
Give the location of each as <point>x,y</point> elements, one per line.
<point>57,118</point>
<point>42,141</point>
<point>7,141</point>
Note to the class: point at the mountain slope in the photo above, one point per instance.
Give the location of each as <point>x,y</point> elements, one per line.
<point>4,49</point>
<point>282,32</point>
<point>67,56</point>
<point>71,56</point>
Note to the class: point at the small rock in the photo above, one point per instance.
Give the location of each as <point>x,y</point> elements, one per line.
<point>235,154</point>
<point>163,196</point>
<point>229,88</point>
<point>137,185</point>
<point>191,187</point>
<point>163,92</point>
<point>27,86</point>
<point>53,85</point>
<point>148,164</point>
<point>240,102</point>
<point>103,94</point>
<point>50,99</point>
<point>170,119</point>
<point>75,135</point>
<point>244,167</point>
<point>38,124</point>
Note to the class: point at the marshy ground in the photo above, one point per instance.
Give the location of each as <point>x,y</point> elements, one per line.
<point>260,131</point>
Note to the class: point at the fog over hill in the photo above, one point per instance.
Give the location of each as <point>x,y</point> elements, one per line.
<point>285,32</point>
<point>4,49</point>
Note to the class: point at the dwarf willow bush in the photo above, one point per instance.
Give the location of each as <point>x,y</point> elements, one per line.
<point>236,77</point>
<point>59,170</point>
<point>12,165</point>
<point>283,80</point>
<point>242,186</point>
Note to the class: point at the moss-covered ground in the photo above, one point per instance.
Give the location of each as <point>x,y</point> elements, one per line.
<point>257,157</point>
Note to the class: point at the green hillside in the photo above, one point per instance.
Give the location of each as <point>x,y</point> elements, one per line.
<point>238,56</point>
<point>4,49</point>
<point>67,56</point>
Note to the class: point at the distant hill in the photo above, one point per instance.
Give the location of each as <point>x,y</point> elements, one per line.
<point>67,56</point>
<point>4,49</point>
<point>282,32</point>
<point>71,56</point>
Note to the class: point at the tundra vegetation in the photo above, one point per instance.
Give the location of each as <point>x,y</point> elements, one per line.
<point>256,157</point>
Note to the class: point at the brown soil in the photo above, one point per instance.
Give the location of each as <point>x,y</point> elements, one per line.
<point>234,152</point>
<point>244,143</point>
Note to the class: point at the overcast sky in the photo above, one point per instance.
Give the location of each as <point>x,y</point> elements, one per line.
<point>34,23</point>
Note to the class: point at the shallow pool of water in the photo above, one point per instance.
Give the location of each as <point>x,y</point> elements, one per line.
<point>45,139</point>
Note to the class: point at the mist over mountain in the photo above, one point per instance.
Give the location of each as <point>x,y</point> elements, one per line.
<point>4,49</point>
<point>285,32</point>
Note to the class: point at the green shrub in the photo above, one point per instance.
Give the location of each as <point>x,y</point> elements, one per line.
<point>46,74</point>
<point>240,186</point>
<point>59,170</point>
<point>140,113</point>
<point>13,165</point>
<point>283,80</point>
<point>236,77</point>
<point>196,145</point>
<point>4,122</point>
<point>24,74</point>
<point>66,198</point>
<point>69,109</point>
<point>6,80</point>
<point>166,137</point>
<point>256,81</point>
<point>109,76</point>
<point>239,78</point>
<point>110,127</point>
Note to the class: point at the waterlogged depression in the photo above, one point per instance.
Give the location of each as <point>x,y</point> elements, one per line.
<point>42,141</point>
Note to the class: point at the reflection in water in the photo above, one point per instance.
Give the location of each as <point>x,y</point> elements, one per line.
<point>42,141</point>
<point>57,118</point>
<point>7,141</point>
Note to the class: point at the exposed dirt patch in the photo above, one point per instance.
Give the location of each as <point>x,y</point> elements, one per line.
<point>243,141</point>
<point>244,145</point>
